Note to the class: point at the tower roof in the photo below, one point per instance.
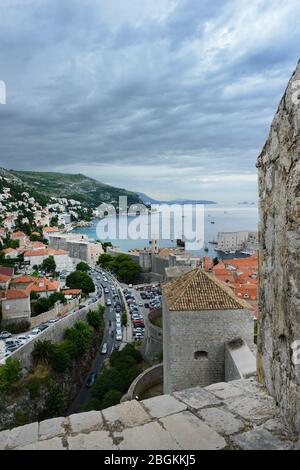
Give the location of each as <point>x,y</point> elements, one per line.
<point>199,290</point>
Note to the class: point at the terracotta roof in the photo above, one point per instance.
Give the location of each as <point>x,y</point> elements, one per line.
<point>18,234</point>
<point>7,271</point>
<point>4,278</point>
<point>23,279</point>
<point>51,229</point>
<point>16,294</point>
<point>198,290</point>
<point>44,252</point>
<point>72,291</point>
<point>9,250</point>
<point>43,284</point>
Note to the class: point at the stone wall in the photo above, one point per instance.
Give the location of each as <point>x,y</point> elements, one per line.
<point>240,362</point>
<point>152,343</point>
<point>194,344</point>
<point>147,379</point>
<point>54,333</point>
<point>59,309</point>
<point>279,192</point>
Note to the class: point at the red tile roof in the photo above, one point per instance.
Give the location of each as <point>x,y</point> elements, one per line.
<point>4,278</point>
<point>16,294</point>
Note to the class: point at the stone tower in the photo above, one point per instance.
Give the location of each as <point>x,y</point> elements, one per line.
<point>200,315</point>
<point>279,192</point>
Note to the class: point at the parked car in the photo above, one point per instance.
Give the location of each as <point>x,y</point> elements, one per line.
<point>43,326</point>
<point>108,302</point>
<point>104,349</point>
<point>23,339</point>
<point>5,335</point>
<point>34,333</point>
<point>91,380</point>
<point>119,335</point>
<point>146,305</point>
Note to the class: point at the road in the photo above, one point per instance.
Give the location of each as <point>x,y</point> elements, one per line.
<point>97,366</point>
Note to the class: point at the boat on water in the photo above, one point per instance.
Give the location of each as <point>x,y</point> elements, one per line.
<point>205,248</point>
<point>212,222</point>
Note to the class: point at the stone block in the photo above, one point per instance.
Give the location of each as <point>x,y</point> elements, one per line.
<point>150,436</point>
<point>50,444</point>
<point>86,422</point>
<point>255,409</point>
<point>224,390</point>
<point>222,421</point>
<point>197,398</point>
<point>4,435</point>
<point>260,439</point>
<point>51,428</point>
<point>191,433</point>
<point>23,435</point>
<point>129,413</point>
<point>95,440</point>
<point>163,405</point>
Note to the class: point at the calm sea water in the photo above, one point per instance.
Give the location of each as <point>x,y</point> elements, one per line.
<point>225,218</point>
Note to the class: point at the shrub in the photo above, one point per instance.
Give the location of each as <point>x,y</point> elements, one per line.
<point>60,360</point>
<point>92,404</point>
<point>133,352</point>
<point>43,351</point>
<point>18,327</point>
<point>111,398</point>
<point>41,305</point>
<point>55,402</point>
<point>33,386</point>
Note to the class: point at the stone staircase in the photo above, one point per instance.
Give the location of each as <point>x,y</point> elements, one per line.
<point>232,415</point>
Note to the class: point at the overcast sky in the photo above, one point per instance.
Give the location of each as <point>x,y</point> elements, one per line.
<point>170,97</point>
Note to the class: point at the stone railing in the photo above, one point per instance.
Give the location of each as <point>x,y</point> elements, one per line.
<point>143,382</point>
<point>236,415</point>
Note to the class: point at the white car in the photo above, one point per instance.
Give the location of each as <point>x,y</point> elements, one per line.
<point>119,335</point>
<point>22,339</point>
<point>141,304</point>
<point>34,333</point>
<point>108,302</point>
<point>118,325</point>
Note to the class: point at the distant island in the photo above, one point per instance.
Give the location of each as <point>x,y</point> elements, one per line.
<point>245,203</point>
<point>149,200</point>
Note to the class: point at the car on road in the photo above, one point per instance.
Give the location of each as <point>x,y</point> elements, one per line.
<point>108,302</point>
<point>118,325</point>
<point>98,278</point>
<point>140,304</point>
<point>119,335</point>
<point>43,326</point>
<point>22,339</point>
<point>5,335</point>
<point>116,346</point>
<point>53,320</point>
<point>91,380</point>
<point>34,333</point>
<point>146,305</point>
<point>104,349</point>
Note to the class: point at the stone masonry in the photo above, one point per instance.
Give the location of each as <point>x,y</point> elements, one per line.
<point>279,192</point>
<point>235,415</point>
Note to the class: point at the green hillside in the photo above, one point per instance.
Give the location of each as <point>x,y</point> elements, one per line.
<point>79,187</point>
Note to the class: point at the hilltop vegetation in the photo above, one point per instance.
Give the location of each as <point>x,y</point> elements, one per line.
<point>78,187</point>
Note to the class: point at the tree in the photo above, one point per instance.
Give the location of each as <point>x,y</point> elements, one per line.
<point>111,398</point>
<point>95,318</point>
<point>49,264</point>
<point>9,373</point>
<point>124,319</point>
<point>41,305</point>
<point>80,335</point>
<point>83,267</point>
<point>43,351</point>
<point>80,280</point>
<point>57,297</point>
<point>105,260</point>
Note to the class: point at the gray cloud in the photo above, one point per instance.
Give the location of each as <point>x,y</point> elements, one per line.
<point>173,98</point>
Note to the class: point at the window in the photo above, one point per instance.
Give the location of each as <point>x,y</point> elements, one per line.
<point>201,355</point>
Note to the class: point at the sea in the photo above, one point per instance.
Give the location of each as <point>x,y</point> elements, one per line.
<point>216,218</point>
